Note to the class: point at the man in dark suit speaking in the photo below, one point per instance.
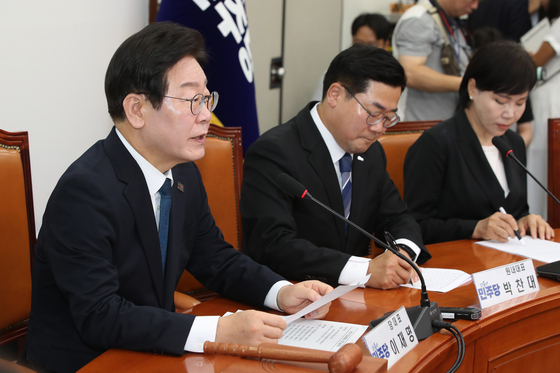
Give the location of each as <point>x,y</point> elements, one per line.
<point>331,148</point>
<point>131,214</point>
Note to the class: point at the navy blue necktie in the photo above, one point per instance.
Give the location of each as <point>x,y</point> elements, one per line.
<point>345,165</point>
<point>164,208</point>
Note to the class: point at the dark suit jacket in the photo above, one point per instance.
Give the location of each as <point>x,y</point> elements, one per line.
<point>297,238</point>
<point>97,275</point>
<point>511,17</point>
<point>449,185</point>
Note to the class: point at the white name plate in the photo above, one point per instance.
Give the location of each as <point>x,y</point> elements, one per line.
<point>503,283</point>
<point>392,338</point>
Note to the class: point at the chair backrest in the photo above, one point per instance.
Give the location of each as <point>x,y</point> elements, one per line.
<point>17,235</point>
<point>396,141</point>
<point>221,169</point>
<point>554,171</point>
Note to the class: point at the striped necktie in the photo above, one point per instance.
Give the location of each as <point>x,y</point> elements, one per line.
<point>345,165</point>
<point>164,208</point>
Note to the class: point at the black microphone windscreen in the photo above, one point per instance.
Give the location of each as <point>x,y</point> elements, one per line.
<point>502,146</point>
<point>290,185</point>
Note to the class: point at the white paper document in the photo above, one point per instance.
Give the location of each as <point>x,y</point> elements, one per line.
<point>320,334</point>
<point>441,280</point>
<point>335,293</point>
<point>533,39</point>
<point>541,250</point>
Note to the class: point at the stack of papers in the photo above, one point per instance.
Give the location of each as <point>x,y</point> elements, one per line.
<point>541,250</point>
<point>320,334</point>
<point>441,280</point>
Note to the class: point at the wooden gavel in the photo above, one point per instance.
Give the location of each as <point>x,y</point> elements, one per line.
<point>342,361</point>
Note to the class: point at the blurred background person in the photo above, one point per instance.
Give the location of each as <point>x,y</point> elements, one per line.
<point>369,29</point>
<point>433,45</point>
<point>455,178</point>
<point>546,104</point>
<point>510,17</point>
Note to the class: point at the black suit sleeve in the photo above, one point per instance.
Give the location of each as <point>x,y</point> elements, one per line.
<point>217,265</point>
<point>271,235</point>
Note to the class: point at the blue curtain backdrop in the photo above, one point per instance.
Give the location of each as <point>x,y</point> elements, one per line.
<point>229,71</point>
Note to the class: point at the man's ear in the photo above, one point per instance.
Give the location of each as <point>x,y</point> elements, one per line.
<point>134,105</point>
<point>335,93</point>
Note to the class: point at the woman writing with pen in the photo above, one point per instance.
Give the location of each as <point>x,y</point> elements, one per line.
<point>455,178</point>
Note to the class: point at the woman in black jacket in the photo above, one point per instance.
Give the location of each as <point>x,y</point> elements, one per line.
<point>456,181</point>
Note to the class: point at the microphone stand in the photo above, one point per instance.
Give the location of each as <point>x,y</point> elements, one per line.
<point>420,316</point>
<point>506,151</point>
<point>512,156</point>
<point>426,318</point>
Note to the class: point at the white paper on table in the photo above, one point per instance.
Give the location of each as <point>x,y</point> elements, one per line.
<point>537,249</point>
<point>533,39</point>
<point>441,280</point>
<point>320,334</point>
<point>335,293</point>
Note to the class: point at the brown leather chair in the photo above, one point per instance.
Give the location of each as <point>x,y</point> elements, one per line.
<point>12,367</point>
<point>554,171</point>
<point>396,141</point>
<point>17,236</point>
<point>222,172</point>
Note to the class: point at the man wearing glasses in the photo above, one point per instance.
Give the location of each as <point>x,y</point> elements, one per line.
<point>331,148</point>
<point>131,214</point>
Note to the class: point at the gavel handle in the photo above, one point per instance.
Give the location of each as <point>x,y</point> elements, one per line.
<point>268,351</point>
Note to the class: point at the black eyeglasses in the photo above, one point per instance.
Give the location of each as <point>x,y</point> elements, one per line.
<point>377,116</point>
<point>197,102</point>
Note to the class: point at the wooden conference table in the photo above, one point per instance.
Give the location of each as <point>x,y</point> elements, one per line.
<point>522,335</point>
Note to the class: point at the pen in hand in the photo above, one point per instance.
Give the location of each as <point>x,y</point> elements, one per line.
<point>391,242</point>
<point>503,211</point>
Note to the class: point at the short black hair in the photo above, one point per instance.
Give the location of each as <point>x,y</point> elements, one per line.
<point>140,65</point>
<point>375,22</point>
<point>356,66</point>
<point>553,10</point>
<point>486,35</point>
<point>500,67</point>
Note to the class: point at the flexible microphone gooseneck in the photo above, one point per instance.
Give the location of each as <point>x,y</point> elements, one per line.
<point>420,316</point>
<point>506,152</point>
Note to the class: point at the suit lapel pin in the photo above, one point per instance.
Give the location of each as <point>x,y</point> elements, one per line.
<point>180,187</point>
<point>360,158</point>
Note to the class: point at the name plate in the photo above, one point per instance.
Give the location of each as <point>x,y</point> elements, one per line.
<point>503,283</point>
<point>392,338</point>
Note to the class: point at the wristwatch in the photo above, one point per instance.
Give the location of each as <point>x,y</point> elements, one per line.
<point>408,250</point>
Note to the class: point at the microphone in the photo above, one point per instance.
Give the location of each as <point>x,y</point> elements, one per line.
<point>421,316</point>
<point>506,152</point>
<point>295,189</point>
